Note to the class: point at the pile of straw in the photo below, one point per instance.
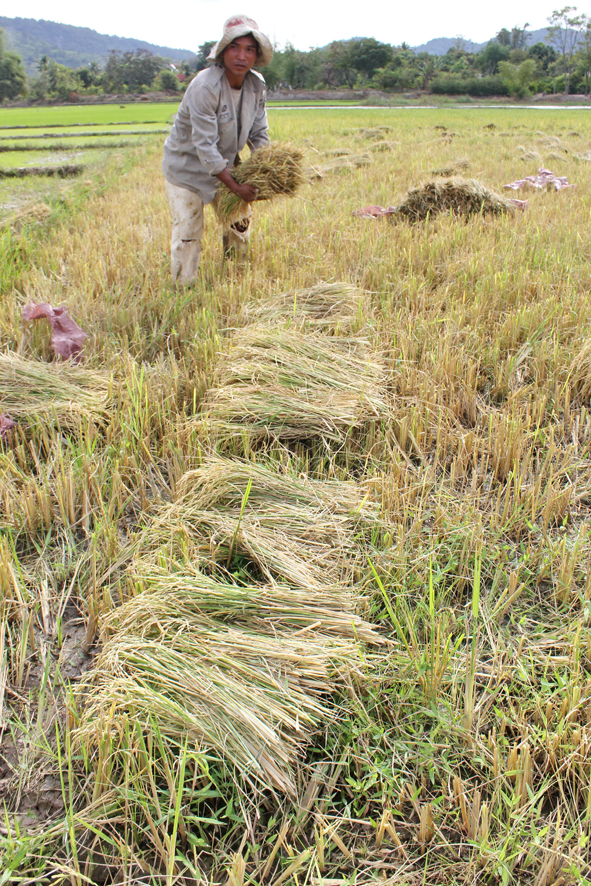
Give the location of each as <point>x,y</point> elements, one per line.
<point>65,171</point>
<point>276,170</point>
<point>32,390</point>
<point>454,168</point>
<point>337,152</point>
<point>251,694</point>
<point>32,212</point>
<point>243,670</point>
<point>280,385</point>
<point>530,156</point>
<point>344,163</point>
<point>463,197</point>
<point>295,530</point>
<point>376,132</point>
<point>269,608</point>
<point>251,702</point>
<point>329,307</point>
<point>383,146</point>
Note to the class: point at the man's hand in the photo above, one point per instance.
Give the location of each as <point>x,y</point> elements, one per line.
<point>245,192</point>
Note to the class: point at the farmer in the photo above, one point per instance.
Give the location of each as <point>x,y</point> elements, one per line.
<point>222,110</point>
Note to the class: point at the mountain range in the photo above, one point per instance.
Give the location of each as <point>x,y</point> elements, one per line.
<point>72,46</point>
<point>31,38</point>
<point>440,45</point>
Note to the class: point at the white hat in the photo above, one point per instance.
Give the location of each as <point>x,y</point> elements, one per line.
<point>240,26</point>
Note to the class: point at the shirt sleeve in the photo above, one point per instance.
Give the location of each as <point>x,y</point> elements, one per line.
<point>204,125</point>
<point>259,131</point>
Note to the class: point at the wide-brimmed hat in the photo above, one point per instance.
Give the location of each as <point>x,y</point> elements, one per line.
<point>240,26</point>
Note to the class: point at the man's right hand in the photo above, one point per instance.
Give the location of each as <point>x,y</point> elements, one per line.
<point>246,192</point>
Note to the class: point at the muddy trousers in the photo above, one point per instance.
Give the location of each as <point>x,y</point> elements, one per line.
<point>187,231</point>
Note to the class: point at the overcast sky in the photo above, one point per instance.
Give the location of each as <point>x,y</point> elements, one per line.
<point>185,24</point>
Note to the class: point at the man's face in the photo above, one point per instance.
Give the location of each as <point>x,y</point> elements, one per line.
<point>240,55</point>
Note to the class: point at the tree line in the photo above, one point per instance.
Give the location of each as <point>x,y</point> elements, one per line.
<point>508,66</point>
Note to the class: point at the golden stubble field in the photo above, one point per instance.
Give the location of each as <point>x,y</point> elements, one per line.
<point>297,590</point>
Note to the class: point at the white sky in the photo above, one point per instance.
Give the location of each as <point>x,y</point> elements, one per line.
<point>185,24</point>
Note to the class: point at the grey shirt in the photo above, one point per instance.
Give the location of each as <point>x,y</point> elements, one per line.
<point>206,137</point>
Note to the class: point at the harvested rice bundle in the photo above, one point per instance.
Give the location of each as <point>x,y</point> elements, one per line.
<point>30,389</point>
<point>383,146</point>
<point>553,155</point>
<point>252,699</point>
<point>277,384</point>
<point>276,170</point>
<point>453,169</point>
<point>300,531</point>
<point>459,196</point>
<point>32,212</point>
<point>579,374</point>
<point>266,413</point>
<point>528,155</point>
<point>342,164</point>
<point>338,152</point>
<point>274,609</point>
<point>312,174</point>
<point>374,133</point>
<point>327,306</point>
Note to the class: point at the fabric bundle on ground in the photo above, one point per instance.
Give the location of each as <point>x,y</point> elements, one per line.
<point>543,181</point>
<point>67,338</point>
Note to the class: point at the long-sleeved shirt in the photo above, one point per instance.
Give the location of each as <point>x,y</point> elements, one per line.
<point>207,135</point>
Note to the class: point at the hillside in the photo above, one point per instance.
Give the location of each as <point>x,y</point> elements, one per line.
<point>440,45</point>
<point>71,46</point>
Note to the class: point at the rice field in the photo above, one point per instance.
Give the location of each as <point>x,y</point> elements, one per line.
<point>295,568</point>
<point>40,143</point>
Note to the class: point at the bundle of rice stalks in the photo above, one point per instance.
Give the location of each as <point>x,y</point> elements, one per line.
<point>276,170</point>
<point>33,212</point>
<point>550,141</point>
<point>239,515</point>
<point>327,307</point>
<point>338,152</point>
<point>459,196</point>
<point>454,168</point>
<point>276,384</point>
<point>553,155</point>
<point>383,146</point>
<point>252,696</point>
<point>253,720</point>
<point>313,174</point>
<point>528,156</point>
<point>374,133</point>
<point>344,164</point>
<point>243,670</point>
<point>274,609</point>
<point>32,390</point>
<point>65,171</point>
<point>579,375</point>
